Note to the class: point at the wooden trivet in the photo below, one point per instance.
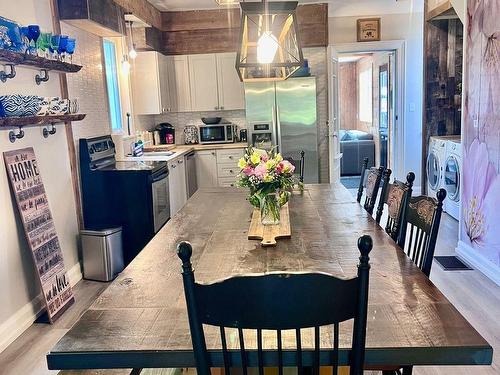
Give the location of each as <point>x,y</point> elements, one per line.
<point>270,233</point>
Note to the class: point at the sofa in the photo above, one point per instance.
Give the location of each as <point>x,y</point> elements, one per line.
<point>355,145</point>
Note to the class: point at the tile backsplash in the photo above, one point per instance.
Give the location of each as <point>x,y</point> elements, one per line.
<point>181,119</point>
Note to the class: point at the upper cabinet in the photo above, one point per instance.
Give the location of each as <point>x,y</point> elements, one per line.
<point>152,92</point>
<point>203,82</point>
<point>179,73</point>
<point>230,88</point>
<point>206,82</point>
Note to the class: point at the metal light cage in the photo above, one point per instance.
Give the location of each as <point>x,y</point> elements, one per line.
<point>280,19</point>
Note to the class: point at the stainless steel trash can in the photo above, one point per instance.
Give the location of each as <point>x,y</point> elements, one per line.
<point>102,253</point>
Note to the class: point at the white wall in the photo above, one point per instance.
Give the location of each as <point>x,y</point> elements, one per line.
<point>18,281</point>
<point>408,27</point>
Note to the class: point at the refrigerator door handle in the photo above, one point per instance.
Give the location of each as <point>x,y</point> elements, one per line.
<point>274,138</point>
<point>278,129</point>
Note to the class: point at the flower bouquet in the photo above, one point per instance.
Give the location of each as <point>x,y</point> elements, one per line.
<point>270,180</point>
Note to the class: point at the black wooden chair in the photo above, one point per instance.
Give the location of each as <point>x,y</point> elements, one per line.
<point>277,301</point>
<point>420,229</point>
<point>396,197</point>
<point>369,183</point>
<point>300,167</point>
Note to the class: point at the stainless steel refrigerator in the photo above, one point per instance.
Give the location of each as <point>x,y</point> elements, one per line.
<point>283,114</point>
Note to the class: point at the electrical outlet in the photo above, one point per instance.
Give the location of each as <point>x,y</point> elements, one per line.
<point>412,107</point>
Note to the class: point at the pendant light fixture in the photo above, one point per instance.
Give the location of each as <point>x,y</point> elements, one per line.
<point>130,41</point>
<point>269,41</point>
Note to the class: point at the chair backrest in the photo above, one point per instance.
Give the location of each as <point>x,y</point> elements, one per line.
<point>300,167</point>
<point>369,184</point>
<point>420,229</point>
<point>396,197</point>
<point>361,186</point>
<point>278,302</point>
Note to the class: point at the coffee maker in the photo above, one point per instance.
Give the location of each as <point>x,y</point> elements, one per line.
<point>166,134</point>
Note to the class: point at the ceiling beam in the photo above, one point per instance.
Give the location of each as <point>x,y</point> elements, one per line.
<point>143,10</point>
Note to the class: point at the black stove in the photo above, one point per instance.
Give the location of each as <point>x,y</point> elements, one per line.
<point>130,194</point>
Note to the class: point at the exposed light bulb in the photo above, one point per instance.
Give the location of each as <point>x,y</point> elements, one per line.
<point>125,66</point>
<point>132,53</point>
<point>267,46</point>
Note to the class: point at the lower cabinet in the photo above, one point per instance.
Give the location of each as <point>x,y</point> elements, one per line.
<point>178,188</point>
<point>217,167</point>
<point>206,168</point>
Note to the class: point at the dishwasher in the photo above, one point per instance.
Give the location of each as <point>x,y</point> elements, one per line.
<point>192,184</point>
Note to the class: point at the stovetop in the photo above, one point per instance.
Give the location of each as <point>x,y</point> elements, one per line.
<point>152,166</point>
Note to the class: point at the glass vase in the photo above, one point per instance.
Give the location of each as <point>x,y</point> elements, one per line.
<point>270,210</point>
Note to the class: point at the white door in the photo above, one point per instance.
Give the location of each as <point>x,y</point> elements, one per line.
<point>230,88</point>
<point>203,82</point>
<point>146,94</point>
<point>333,116</point>
<point>206,168</point>
<point>179,75</point>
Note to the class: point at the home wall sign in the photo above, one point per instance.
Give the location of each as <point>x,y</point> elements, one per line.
<point>368,29</point>
<point>29,191</point>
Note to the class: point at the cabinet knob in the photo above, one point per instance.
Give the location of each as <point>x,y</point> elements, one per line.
<point>216,108</point>
<point>173,165</point>
<point>213,153</point>
<point>230,157</point>
<point>180,161</point>
<point>222,107</point>
<point>231,171</point>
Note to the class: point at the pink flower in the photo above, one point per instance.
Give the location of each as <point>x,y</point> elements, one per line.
<point>264,157</point>
<point>248,171</point>
<point>260,171</point>
<point>481,202</point>
<point>279,168</point>
<point>288,167</point>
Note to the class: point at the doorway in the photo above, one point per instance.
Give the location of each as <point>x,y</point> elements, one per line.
<point>365,107</point>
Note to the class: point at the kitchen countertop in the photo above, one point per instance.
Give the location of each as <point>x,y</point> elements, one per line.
<point>153,153</point>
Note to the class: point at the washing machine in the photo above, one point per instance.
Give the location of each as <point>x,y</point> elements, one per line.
<point>435,164</point>
<point>451,177</point>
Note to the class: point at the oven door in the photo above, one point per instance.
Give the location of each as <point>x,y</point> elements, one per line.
<point>212,134</point>
<point>161,200</point>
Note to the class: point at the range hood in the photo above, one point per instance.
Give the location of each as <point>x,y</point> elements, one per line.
<point>100,17</point>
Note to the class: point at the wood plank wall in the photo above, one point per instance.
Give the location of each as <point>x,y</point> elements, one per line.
<point>348,78</point>
<point>143,10</point>
<point>208,31</point>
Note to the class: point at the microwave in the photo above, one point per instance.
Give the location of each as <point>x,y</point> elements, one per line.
<point>217,133</point>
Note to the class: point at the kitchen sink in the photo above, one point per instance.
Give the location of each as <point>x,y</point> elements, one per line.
<point>159,153</point>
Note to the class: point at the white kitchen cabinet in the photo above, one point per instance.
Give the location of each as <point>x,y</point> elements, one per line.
<point>151,91</point>
<point>206,168</point>
<point>179,76</point>
<point>203,82</point>
<point>227,166</point>
<point>177,181</point>
<point>230,89</point>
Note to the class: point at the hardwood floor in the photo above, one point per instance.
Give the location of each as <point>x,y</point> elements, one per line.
<point>475,296</point>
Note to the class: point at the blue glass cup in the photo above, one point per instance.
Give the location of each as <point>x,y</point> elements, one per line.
<point>25,38</point>
<point>33,34</point>
<point>70,48</point>
<point>54,45</point>
<point>63,43</point>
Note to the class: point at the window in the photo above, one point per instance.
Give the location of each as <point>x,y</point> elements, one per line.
<point>365,95</point>
<point>112,85</point>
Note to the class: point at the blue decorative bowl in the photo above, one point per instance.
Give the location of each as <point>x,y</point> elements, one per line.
<point>20,105</point>
<point>10,36</point>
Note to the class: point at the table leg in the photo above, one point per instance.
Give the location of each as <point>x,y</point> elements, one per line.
<point>136,371</point>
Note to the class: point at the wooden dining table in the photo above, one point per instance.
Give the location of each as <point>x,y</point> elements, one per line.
<point>140,320</point>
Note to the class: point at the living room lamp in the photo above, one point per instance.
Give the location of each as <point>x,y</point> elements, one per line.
<point>269,46</point>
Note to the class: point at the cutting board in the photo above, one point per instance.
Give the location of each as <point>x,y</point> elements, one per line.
<point>270,233</point>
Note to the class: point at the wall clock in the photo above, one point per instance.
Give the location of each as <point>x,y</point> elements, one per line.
<point>368,29</point>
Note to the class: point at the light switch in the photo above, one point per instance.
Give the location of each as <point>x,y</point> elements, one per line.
<point>412,107</point>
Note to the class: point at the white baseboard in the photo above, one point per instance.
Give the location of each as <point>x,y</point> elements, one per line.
<point>23,318</point>
<point>471,256</point>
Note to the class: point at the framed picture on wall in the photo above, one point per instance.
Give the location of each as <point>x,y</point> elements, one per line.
<point>368,29</point>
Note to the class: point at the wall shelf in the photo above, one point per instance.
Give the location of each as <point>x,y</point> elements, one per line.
<point>39,120</point>
<point>21,59</point>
